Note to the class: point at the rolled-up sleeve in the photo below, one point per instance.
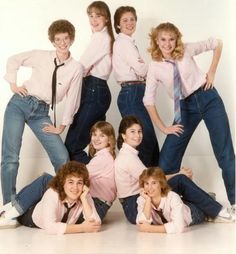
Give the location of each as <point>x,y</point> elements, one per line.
<point>141,218</point>
<point>73,96</point>
<point>151,87</point>
<point>176,223</point>
<point>14,62</point>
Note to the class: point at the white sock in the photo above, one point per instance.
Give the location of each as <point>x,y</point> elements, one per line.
<point>12,213</point>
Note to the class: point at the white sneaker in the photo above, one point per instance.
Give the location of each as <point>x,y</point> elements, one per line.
<point>8,223</point>
<point>232,211</point>
<point>223,217</point>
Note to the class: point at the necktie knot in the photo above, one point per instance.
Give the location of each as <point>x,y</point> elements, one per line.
<point>66,214</point>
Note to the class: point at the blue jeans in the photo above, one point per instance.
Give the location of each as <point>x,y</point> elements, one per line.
<point>26,200</point>
<point>130,207</point>
<point>30,110</point>
<point>201,204</point>
<point>130,102</point>
<point>206,105</point>
<point>101,207</point>
<point>95,101</point>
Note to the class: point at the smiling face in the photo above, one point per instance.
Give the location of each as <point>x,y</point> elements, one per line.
<point>128,23</point>
<point>62,42</point>
<point>97,21</point>
<point>73,187</point>
<point>133,135</point>
<point>152,187</point>
<point>166,42</point>
<point>99,140</point>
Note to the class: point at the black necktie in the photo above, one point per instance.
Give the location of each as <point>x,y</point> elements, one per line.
<point>160,213</point>
<point>66,214</point>
<point>54,88</point>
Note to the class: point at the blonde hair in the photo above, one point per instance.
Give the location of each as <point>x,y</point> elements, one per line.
<point>157,174</point>
<point>108,130</point>
<point>154,49</point>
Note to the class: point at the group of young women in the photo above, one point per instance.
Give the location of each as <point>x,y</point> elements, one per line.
<point>78,197</point>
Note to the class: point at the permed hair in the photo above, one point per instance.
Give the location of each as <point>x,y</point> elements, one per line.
<point>61,26</point>
<point>71,168</point>
<point>154,49</point>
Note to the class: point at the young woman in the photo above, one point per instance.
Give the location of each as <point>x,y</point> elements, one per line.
<point>195,97</point>
<point>96,96</point>
<point>101,166</point>
<point>130,73</point>
<point>128,166</point>
<point>161,210</point>
<point>30,102</point>
<point>58,209</point>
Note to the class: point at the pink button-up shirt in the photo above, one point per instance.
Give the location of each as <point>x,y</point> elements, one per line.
<point>125,60</point>
<point>161,73</point>
<point>128,168</point>
<point>102,176</point>
<point>177,214</point>
<point>49,212</point>
<point>69,79</point>
<point>96,59</point>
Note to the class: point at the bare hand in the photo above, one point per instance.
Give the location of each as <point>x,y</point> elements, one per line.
<point>144,194</point>
<point>186,171</point>
<point>91,226</point>
<point>21,90</point>
<point>176,129</point>
<point>144,227</point>
<point>84,192</point>
<point>49,128</point>
<point>210,76</point>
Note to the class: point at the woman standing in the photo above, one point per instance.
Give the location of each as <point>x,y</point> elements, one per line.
<point>195,98</point>
<point>96,96</point>
<point>55,76</point>
<point>130,73</point>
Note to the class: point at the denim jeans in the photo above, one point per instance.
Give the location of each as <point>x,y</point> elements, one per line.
<point>130,207</point>
<point>206,105</point>
<point>101,208</point>
<point>201,202</point>
<point>28,197</point>
<point>95,101</point>
<point>30,110</point>
<point>130,102</point>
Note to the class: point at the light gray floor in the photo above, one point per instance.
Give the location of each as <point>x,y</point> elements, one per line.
<point>118,236</point>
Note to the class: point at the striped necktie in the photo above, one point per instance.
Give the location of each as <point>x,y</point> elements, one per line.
<point>177,92</point>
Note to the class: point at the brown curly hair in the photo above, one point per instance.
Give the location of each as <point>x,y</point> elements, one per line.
<point>154,49</point>
<point>61,26</point>
<point>71,168</point>
<point>108,130</point>
<point>157,174</point>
